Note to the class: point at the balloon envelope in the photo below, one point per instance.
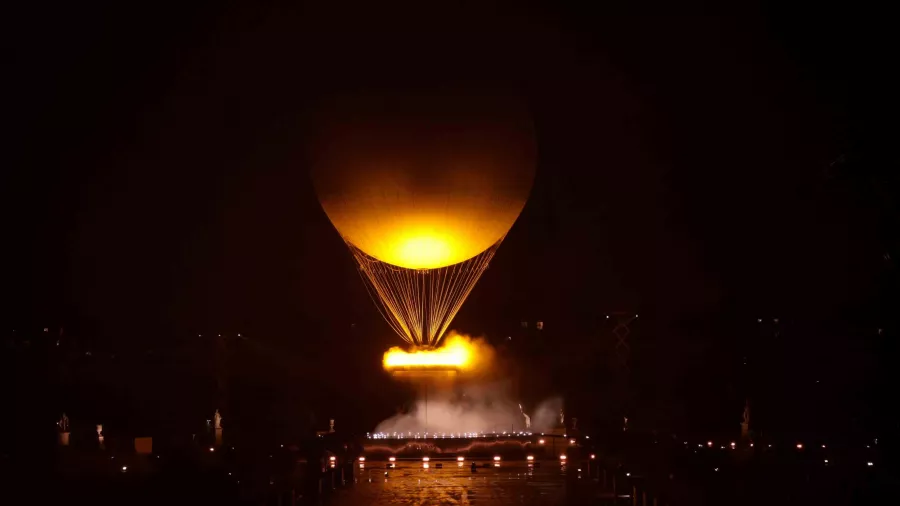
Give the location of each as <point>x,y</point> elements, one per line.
<point>424,181</point>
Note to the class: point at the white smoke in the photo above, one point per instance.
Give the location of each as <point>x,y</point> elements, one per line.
<point>475,404</point>
<point>477,408</point>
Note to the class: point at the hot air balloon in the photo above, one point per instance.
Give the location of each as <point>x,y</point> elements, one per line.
<point>423,188</point>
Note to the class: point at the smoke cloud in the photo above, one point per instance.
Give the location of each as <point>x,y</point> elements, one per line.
<point>473,404</point>
<point>482,408</point>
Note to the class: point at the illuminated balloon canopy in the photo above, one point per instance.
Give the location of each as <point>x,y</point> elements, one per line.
<point>423,188</point>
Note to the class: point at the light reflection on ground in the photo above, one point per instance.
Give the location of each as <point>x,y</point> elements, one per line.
<point>510,483</point>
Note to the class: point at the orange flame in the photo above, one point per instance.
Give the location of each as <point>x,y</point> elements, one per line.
<point>458,353</point>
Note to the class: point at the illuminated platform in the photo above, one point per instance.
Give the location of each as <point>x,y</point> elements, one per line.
<point>423,372</point>
<point>469,445</point>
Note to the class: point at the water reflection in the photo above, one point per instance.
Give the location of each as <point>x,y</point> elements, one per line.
<point>414,483</point>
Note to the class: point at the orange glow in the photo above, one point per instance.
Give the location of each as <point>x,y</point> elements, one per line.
<point>456,353</point>
<point>497,458</point>
<point>392,459</point>
<point>425,459</point>
<point>562,457</point>
<point>540,442</point>
<point>332,458</point>
<point>427,181</point>
<point>530,457</point>
<point>362,459</point>
<point>423,250</point>
<point>460,459</point>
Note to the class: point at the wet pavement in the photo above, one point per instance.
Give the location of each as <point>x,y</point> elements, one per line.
<point>410,483</point>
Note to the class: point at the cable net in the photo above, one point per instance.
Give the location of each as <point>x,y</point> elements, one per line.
<point>419,304</point>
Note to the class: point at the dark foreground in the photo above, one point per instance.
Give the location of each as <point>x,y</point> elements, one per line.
<point>455,484</point>
<point>628,470</point>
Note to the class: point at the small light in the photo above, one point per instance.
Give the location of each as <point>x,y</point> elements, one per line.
<point>571,441</point>
<point>799,446</point>
<point>211,449</point>
<point>709,444</point>
<point>460,459</point>
<point>826,461</point>
<point>627,474</point>
<point>869,464</point>
<point>125,468</point>
<point>562,457</point>
<point>530,457</point>
<point>823,446</point>
<point>541,441</point>
<point>751,445</point>
<point>392,459</point>
<point>496,458</point>
<point>593,456</point>
<point>332,458</point>
<point>425,459</point>
<point>425,465</point>
<point>716,469</point>
<point>362,459</point>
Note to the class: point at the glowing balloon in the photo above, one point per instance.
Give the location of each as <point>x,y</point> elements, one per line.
<point>424,181</point>
<point>423,188</point>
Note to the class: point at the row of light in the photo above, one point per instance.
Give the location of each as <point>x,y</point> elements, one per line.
<point>417,435</point>
<point>497,458</point>
<point>733,445</point>
<point>530,458</point>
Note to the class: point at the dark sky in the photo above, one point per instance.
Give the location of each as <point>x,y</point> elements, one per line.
<point>155,178</point>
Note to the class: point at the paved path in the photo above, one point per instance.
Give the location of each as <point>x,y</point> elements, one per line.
<point>409,483</point>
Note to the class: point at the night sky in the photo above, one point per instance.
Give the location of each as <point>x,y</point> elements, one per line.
<point>703,171</point>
